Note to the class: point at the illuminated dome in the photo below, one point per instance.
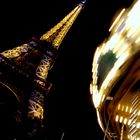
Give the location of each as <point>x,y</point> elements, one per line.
<point>116,78</point>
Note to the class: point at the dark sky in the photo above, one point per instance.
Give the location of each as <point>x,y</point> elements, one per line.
<point>69,107</point>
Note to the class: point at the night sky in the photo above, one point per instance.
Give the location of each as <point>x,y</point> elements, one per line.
<point>69,105</point>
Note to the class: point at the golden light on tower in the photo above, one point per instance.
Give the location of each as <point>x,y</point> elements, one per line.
<point>116,77</point>
<point>55,37</point>
<point>64,25</point>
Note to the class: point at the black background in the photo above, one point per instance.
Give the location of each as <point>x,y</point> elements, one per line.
<point>69,104</point>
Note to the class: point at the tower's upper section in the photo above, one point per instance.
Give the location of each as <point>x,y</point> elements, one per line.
<point>56,35</point>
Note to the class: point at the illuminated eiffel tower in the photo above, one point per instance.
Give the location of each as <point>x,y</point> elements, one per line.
<point>24,72</point>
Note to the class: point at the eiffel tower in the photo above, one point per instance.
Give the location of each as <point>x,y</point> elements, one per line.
<point>24,81</point>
